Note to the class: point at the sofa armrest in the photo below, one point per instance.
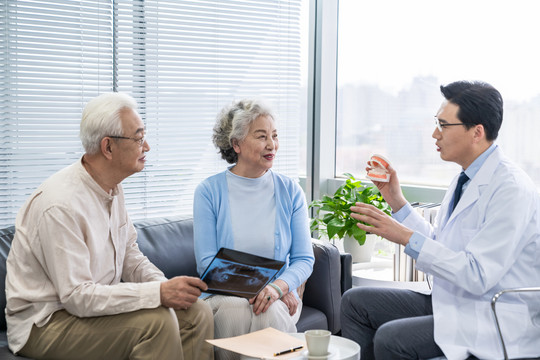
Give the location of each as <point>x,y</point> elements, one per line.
<point>323,288</point>
<point>346,272</point>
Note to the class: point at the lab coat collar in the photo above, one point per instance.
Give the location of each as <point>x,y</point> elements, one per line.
<point>474,188</point>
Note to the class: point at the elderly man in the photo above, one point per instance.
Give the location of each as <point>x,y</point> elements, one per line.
<point>77,285</point>
<point>486,238</point>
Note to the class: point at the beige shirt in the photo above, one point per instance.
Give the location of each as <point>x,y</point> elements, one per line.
<point>72,246</point>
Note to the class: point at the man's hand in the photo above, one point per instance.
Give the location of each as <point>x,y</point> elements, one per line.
<point>391,191</point>
<point>181,292</point>
<point>381,224</point>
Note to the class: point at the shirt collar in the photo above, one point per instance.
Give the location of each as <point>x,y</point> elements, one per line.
<point>479,161</point>
<point>89,180</point>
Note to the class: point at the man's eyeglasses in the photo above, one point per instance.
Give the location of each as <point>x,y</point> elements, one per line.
<point>140,141</point>
<point>441,126</point>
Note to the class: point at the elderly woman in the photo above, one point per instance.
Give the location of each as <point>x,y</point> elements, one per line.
<point>253,209</point>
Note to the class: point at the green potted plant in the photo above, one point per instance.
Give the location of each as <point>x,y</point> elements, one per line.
<point>336,221</point>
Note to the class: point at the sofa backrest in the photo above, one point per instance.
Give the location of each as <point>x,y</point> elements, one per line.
<point>168,244</point>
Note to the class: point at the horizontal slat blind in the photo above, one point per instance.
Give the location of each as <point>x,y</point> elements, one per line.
<point>182,61</point>
<point>55,56</point>
<point>198,56</point>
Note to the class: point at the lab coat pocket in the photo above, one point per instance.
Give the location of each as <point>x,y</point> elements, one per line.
<point>514,320</point>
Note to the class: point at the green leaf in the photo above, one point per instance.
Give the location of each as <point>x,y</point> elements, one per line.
<point>336,220</point>
<point>361,198</point>
<point>359,235</point>
<point>341,190</point>
<point>328,207</point>
<point>327,218</point>
<point>314,225</point>
<point>334,226</point>
<point>327,199</point>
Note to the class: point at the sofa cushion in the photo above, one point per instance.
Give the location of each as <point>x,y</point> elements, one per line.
<point>311,319</point>
<point>168,243</point>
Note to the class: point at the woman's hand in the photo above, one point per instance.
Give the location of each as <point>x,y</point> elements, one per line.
<point>264,299</point>
<point>291,301</point>
<point>269,295</point>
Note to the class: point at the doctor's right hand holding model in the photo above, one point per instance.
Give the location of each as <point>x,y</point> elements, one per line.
<point>485,238</point>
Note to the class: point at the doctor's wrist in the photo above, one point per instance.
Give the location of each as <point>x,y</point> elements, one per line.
<point>407,233</point>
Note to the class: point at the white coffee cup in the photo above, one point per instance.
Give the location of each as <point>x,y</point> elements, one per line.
<point>317,342</point>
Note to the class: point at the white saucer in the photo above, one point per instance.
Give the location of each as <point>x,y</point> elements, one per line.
<point>322,357</point>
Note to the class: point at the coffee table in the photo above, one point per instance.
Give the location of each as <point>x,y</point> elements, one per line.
<point>340,349</point>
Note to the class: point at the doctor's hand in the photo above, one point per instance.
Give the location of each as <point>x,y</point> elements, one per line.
<point>181,292</point>
<point>391,191</point>
<point>381,224</point>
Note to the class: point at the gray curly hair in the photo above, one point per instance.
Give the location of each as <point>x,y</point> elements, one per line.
<point>233,122</point>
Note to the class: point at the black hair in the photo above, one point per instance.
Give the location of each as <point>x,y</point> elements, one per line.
<point>479,103</point>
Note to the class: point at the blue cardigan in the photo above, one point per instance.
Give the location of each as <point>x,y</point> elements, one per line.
<point>292,238</point>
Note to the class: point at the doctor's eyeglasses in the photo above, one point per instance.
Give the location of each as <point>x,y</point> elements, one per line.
<point>441,126</point>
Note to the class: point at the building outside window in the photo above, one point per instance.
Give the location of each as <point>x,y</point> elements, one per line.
<point>392,57</point>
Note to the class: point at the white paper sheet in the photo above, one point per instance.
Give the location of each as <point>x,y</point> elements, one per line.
<point>262,344</point>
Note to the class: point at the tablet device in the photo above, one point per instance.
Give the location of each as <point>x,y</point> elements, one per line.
<point>237,273</point>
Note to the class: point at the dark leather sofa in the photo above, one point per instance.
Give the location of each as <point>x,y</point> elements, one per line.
<point>168,243</point>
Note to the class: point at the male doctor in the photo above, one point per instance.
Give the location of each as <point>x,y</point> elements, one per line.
<point>485,238</point>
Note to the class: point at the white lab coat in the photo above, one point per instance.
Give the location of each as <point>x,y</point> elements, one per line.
<point>490,242</point>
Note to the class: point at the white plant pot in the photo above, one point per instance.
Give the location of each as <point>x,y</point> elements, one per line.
<point>360,253</point>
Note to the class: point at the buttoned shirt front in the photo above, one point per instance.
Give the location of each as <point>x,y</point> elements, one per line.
<point>74,244</point>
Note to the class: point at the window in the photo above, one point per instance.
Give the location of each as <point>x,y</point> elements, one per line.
<point>392,57</point>
<point>54,58</point>
<point>181,60</point>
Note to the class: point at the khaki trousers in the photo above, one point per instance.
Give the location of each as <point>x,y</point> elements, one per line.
<point>159,334</point>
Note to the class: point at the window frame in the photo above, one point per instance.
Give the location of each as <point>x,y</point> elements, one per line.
<point>321,178</point>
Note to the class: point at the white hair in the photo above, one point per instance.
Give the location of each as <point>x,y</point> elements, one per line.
<point>101,117</point>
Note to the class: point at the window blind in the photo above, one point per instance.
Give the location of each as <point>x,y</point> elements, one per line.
<point>181,60</point>
<point>55,56</point>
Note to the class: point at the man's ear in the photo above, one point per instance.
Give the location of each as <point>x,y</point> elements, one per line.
<point>106,147</point>
<point>479,133</point>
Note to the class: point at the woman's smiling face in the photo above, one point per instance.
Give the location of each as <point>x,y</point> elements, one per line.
<point>257,151</point>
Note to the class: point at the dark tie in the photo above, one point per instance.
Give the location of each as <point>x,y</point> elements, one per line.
<point>457,193</point>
